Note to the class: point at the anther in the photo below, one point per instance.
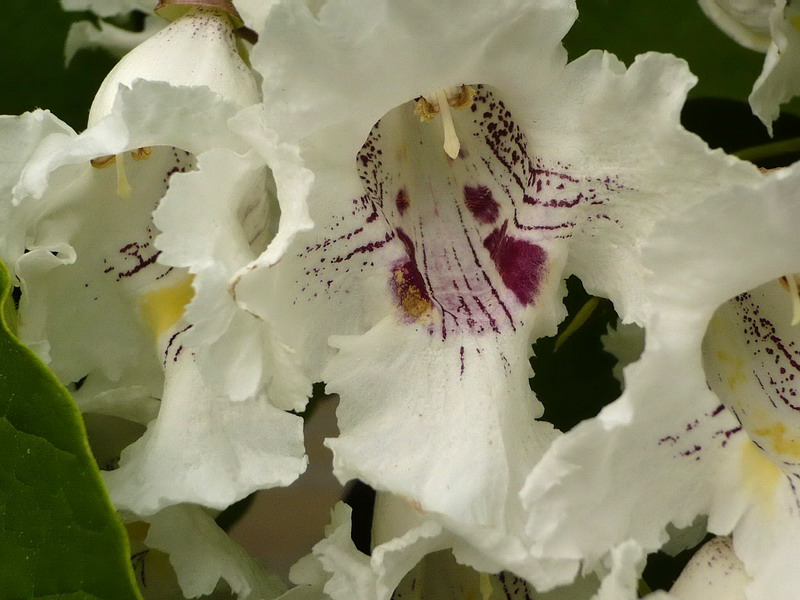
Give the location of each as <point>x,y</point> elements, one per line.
<point>441,101</point>
<point>142,153</point>
<point>101,162</point>
<point>789,283</point>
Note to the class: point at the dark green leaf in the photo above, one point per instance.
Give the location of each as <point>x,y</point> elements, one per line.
<point>59,535</point>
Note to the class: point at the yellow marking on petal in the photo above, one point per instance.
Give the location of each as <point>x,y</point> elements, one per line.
<point>101,162</point>
<point>163,307</point>
<point>759,473</point>
<point>142,153</point>
<point>737,365</point>
<point>486,586</point>
<point>783,444</point>
<point>795,22</point>
<point>411,299</point>
<point>123,187</point>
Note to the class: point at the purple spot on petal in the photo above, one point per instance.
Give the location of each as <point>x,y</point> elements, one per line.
<point>481,203</point>
<point>519,262</point>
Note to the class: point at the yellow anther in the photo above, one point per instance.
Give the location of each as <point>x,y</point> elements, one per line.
<point>790,284</point>
<point>142,153</point>
<point>101,162</point>
<point>441,101</point>
<point>463,99</point>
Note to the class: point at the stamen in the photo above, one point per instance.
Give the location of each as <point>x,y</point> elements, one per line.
<point>123,187</point>
<point>790,284</point>
<point>101,162</point>
<point>452,145</point>
<point>142,153</point>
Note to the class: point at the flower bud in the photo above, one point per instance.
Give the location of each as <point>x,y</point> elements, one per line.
<point>197,49</point>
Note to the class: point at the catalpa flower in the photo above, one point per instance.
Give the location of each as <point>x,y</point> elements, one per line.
<point>410,559</point>
<point>707,424</point>
<point>463,170</point>
<point>771,26</point>
<point>110,316</point>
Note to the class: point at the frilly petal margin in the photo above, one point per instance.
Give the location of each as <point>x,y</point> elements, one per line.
<point>669,445</point>
<point>301,55</point>
<point>204,448</point>
<point>214,221</point>
<point>24,136</point>
<point>414,272</point>
<point>412,558</point>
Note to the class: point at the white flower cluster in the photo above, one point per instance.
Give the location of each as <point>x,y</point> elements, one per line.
<point>387,196</point>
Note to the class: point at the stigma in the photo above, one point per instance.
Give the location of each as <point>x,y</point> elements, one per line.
<point>441,101</point>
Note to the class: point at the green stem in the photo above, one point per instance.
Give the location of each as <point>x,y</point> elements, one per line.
<point>770,150</point>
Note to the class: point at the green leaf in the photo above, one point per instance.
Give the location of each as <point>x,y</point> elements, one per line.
<point>60,538</point>
<point>32,34</point>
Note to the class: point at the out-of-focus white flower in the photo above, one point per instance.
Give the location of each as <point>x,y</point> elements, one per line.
<point>708,423</point>
<point>746,21</point>
<point>771,26</point>
<point>463,170</point>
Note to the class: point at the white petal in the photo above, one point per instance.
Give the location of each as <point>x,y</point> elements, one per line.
<point>669,451</point>
<point>202,554</point>
<point>108,8</point>
<point>205,449</point>
<point>117,41</point>
<point>214,221</point>
<point>200,50</point>
<point>23,137</point>
<point>777,82</point>
<point>714,572</point>
<point>746,21</point>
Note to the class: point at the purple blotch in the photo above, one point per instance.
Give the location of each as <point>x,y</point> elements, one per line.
<point>520,263</point>
<point>481,203</point>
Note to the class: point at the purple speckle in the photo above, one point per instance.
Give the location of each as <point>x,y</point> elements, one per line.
<point>481,203</point>
<point>519,262</point>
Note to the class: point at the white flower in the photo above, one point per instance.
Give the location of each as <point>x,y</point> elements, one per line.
<point>440,248</point>
<point>103,308</point>
<point>771,26</point>
<point>746,21</point>
<point>410,559</point>
<point>671,448</point>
